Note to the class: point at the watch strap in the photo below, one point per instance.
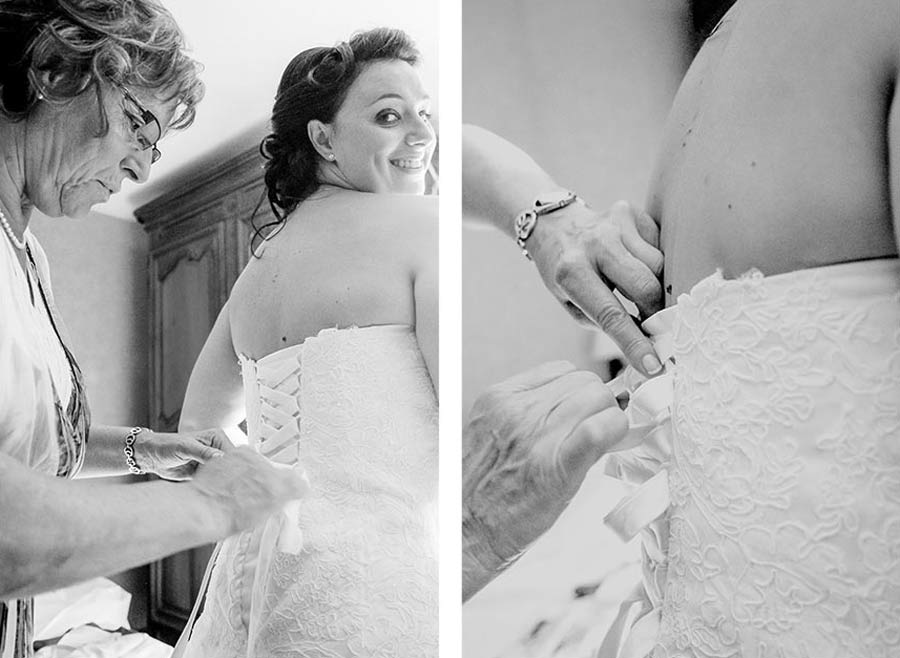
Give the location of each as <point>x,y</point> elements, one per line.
<point>527,219</point>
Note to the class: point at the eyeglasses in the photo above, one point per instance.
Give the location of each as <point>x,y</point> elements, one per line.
<point>146,127</point>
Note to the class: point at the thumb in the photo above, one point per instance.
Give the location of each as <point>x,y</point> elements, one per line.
<point>591,439</point>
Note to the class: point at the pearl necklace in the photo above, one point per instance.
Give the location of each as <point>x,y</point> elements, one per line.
<point>17,243</point>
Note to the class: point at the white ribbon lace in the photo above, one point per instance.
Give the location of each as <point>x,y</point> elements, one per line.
<point>643,511</point>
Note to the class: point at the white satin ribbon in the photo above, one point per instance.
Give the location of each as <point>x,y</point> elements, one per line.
<point>643,511</point>
<point>281,532</point>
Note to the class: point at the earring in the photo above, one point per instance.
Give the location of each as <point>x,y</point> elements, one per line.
<point>331,157</point>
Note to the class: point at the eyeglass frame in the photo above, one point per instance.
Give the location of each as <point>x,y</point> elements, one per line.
<point>147,117</point>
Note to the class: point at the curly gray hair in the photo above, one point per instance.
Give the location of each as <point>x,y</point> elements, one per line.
<point>77,44</point>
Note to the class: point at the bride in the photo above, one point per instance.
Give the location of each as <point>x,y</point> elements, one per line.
<point>769,507</point>
<point>328,347</point>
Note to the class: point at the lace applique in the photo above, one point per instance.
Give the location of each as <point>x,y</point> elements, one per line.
<point>784,477</point>
<point>358,409</point>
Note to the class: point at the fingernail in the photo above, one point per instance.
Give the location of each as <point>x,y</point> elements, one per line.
<point>651,364</point>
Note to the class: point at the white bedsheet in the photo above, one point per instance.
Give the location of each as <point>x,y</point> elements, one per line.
<point>101,603</point>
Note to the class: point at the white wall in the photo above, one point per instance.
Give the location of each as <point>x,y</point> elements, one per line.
<point>584,87</point>
<point>98,267</point>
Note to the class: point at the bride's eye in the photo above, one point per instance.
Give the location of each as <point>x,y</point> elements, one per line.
<point>388,117</point>
<point>425,115</point>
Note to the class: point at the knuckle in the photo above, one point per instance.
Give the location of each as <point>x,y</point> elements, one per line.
<point>647,289</point>
<point>635,343</point>
<point>566,270</point>
<point>576,313</point>
<point>613,318</point>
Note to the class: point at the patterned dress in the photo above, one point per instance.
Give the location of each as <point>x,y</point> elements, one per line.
<point>352,571</point>
<point>772,526</point>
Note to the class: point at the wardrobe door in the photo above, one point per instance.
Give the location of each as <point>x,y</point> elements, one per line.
<point>188,279</point>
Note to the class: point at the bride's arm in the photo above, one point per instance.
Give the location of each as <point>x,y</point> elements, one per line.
<point>215,396</point>
<point>425,293</point>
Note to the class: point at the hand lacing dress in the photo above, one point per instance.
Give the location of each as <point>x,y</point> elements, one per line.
<point>352,570</point>
<point>770,503</point>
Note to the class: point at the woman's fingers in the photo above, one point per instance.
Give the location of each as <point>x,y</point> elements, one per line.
<point>574,397</point>
<point>589,441</point>
<point>647,228</point>
<point>587,290</point>
<point>200,453</point>
<point>644,251</point>
<point>538,376</point>
<point>214,437</point>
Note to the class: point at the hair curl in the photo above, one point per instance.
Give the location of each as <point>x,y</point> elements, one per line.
<point>81,43</point>
<point>314,86</point>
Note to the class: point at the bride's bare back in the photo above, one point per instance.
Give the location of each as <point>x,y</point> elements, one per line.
<point>343,259</point>
<point>776,152</point>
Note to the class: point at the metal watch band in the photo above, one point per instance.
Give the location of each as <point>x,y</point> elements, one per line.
<point>527,219</point>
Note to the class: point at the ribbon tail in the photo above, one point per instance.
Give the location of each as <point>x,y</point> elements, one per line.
<point>181,645</point>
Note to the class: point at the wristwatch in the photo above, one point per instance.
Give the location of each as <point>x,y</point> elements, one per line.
<point>543,205</point>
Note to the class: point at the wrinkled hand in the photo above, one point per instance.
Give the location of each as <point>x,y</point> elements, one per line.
<point>175,456</point>
<point>247,488</point>
<point>527,447</point>
<point>583,255</point>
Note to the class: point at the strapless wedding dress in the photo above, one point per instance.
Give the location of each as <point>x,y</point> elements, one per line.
<point>769,483</point>
<point>352,569</point>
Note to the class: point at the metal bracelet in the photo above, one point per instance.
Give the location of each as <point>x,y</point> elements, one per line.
<point>133,468</point>
<point>527,219</point>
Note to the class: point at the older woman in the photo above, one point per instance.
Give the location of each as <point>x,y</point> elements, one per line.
<point>335,327</point>
<point>87,89</point>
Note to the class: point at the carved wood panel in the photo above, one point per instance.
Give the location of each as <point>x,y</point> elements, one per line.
<point>188,280</point>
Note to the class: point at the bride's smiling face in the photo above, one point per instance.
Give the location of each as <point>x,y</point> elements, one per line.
<point>381,138</point>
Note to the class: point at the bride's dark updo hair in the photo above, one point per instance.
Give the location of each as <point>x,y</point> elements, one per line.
<point>314,86</point>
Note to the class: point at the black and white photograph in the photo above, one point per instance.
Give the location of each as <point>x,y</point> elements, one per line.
<point>219,423</point>
<point>450,329</point>
<point>681,329</point>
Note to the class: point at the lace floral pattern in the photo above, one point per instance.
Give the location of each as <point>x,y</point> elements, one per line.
<point>784,480</point>
<point>358,409</point>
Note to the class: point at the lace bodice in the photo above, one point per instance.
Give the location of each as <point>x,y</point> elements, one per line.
<point>354,571</point>
<point>782,536</point>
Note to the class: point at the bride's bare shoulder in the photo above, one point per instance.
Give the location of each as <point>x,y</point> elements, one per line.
<point>401,208</point>
<point>407,228</point>
<point>399,216</point>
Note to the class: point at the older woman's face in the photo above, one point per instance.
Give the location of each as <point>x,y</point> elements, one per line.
<point>69,169</point>
<point>382,138</point>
